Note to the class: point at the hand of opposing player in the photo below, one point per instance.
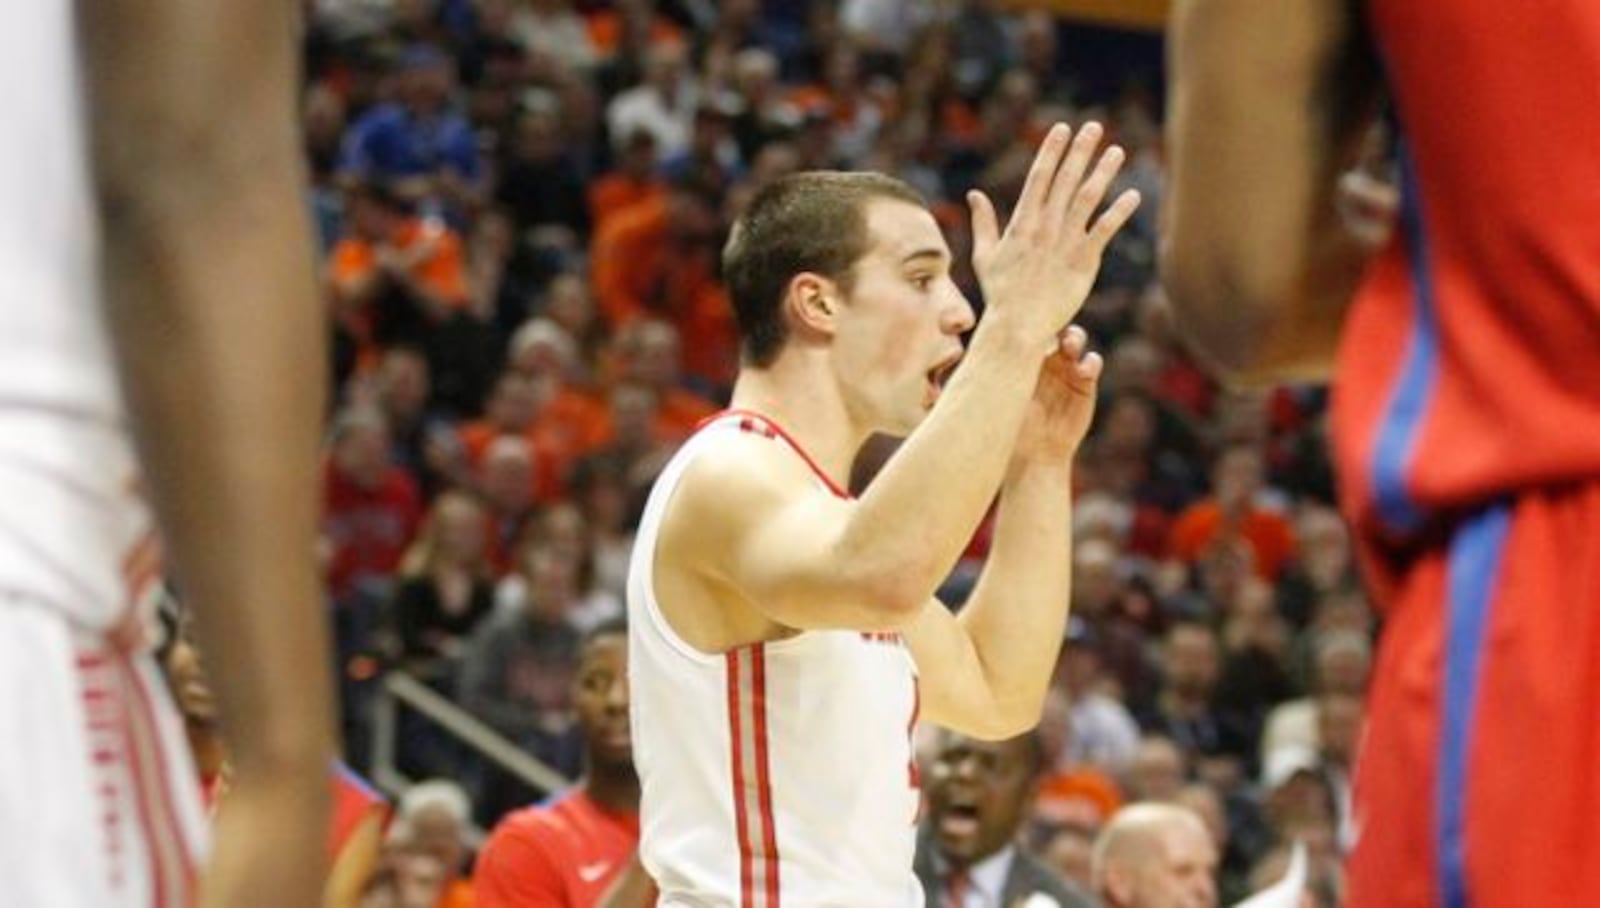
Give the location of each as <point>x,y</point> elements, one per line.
<point>1037,274</point>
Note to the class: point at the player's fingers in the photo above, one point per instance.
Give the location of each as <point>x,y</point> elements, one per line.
<point>1089,368</point>
<point>1036,189</point>
<point>1065,186</point>
<point>1093,191</point>
<point>1074,340</point>
<point>1112,220</point>
<point>985,224</point>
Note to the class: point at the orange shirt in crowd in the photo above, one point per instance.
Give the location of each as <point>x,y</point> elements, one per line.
<point>617,192</point>
<point>605,32</point>
<point>1269,536</point>
<point>636,273</point>
<point>442,271</point>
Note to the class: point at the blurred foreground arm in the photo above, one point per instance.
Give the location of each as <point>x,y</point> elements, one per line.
<point>208,271</point>
<point>1268,101</point>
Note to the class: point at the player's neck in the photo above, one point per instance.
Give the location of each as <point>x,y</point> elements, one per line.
<point>806,403</point>
<point>615,789</point>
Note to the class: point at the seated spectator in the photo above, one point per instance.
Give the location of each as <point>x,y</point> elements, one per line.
<point>635,180</point>
<point>506,483</point>
<point>601,488</point>
<point>1103,732</point>
<point>418,141</point>
<point>1326,563</point>
<point>540,184</point>
<point>566,852</point>
<point>445,588</point>
<point>552,28</point>
<point>660,258</point>
<point>394,275</point>
<point>1233,512</point>
<point>422,441</point>
<point>979,793</point>
<point>569,303</point>
<point>561,528</point>
<point>1154,856</point>
<point>1343,662</point>
<point>1069,852</point>
<point>371,508</point>
<point>518,670</point>
<point>1159,770</point>
<point>1185,708</point>
<point>1109,621</point>
<point>711,156</point>
<point>648,351</point>
<point>663,104</point>
<point>433,819</point>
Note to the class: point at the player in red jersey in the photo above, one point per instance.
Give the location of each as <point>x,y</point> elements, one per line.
<point>570,851</point>
<point>1466,393</point>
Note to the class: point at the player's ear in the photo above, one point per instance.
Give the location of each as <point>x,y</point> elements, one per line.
<point>813,302</point>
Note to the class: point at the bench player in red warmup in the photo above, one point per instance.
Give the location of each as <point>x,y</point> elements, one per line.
<point>784,637</point>
<point>1467,397</point>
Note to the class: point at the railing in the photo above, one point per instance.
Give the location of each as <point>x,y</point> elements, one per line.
<point>401,690</point>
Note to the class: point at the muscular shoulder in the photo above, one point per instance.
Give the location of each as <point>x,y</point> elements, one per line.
<point>733,483</point>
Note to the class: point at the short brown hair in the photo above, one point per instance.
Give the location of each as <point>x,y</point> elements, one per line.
<point>808,221</point>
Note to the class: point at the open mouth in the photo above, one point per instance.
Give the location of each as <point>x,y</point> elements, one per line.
<point>959,820</point>
<point>940,374</point>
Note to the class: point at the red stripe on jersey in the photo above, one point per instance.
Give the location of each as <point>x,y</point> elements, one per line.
<point>763,775</point>
<point>771,429</point>
<point>145,812</point>
<point>735,737</point>
<point>174,841</point>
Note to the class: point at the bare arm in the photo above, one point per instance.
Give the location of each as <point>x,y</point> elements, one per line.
<point>215,317</point>
<point>986,672</point>
<point>808,560</point>
<point>1268,101</point>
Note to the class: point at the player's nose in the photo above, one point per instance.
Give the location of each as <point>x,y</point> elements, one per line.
<point>958,316</point>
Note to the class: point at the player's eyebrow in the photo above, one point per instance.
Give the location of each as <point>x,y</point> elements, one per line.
<point>928,253</point>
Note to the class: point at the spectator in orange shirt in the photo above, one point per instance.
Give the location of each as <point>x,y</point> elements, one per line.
<point>568,419</point>
<point>394,275</point>
<point>566,852</point>
<point>661,259</point>
<point>647,351</point>
<point>635,179</point>
<point>1231,513</point>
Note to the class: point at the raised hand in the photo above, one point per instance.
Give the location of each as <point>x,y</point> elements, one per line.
<point>1037,274</point>
<point>1063,402</point>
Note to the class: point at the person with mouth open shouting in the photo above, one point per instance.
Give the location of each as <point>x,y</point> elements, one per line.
<point>784,636</point>
<point>979,795</point>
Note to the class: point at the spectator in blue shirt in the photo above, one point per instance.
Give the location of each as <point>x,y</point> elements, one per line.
<point>419,143</point>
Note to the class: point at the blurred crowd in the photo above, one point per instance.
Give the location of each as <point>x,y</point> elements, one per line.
<point>521,205</point>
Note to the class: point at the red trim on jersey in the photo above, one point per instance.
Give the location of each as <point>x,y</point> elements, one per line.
<point>175,839</point>
<point>746,859</point>
<point>763,774</point>
<point>768,426</point>
<point>144,810</point>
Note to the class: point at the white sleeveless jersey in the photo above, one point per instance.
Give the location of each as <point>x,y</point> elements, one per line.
<point>779,773</point>
<point>73,532</point>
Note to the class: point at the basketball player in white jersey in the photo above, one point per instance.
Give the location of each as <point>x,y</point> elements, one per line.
<point>151,217</point>
<point>785,637</point>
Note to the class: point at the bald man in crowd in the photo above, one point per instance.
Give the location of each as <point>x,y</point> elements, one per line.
<point>1155,856</point>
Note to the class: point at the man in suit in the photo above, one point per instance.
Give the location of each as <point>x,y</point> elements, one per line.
<point>968,853</point>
